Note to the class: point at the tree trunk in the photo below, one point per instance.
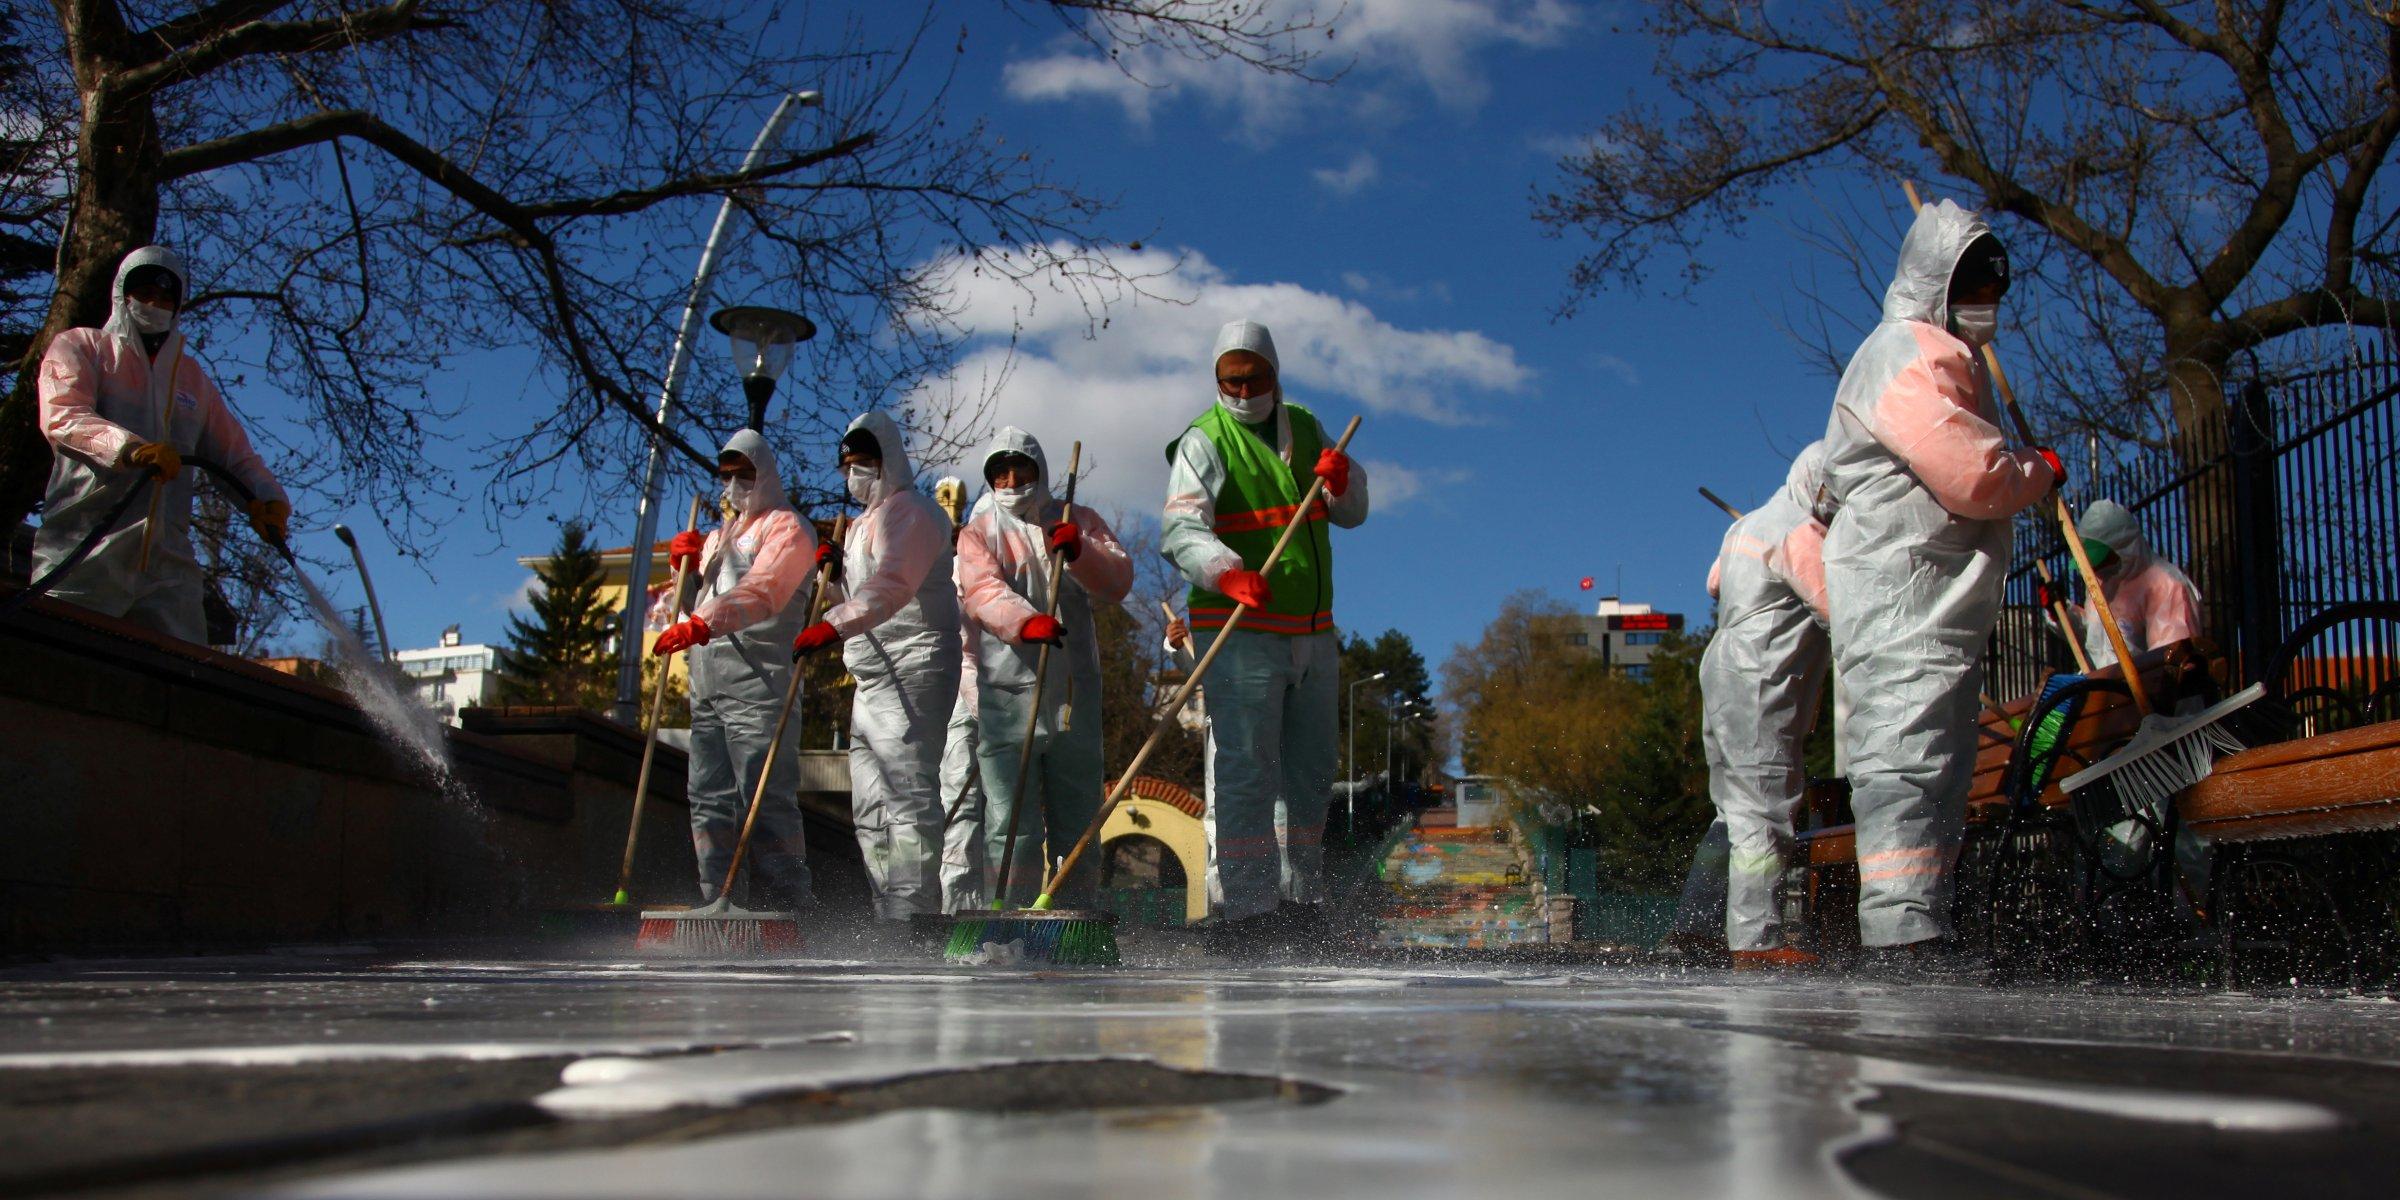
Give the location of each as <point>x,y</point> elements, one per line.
<point>115,212</point>
<point>2212,551</point>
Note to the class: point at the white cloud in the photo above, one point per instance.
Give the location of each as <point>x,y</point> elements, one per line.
<point>1392,51</point>
<point>1391,484</point>
<point>1378,287</point>
<point>1348,179</point>
<point>1128,389</point>
<point>519,598</point>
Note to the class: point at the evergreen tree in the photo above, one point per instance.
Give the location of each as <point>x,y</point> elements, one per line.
<point>1405,681</point>
<point>566,654</point>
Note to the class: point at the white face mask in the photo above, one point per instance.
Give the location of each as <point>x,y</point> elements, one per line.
<point>738,493</point>
<point>1976,323</point>
<point>1017,500</point>
<point>1250,411</point>
<point>150,318</point>
<point>863,481</point>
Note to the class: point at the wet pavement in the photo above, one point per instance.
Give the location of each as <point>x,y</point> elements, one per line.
<point>362,1074</point>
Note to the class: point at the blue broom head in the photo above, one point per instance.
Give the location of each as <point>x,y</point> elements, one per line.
<point>1038,937</point>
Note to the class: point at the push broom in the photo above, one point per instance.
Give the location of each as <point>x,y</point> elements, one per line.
<point>1071,936</point>
<point>718,928</point>
<point>658,705</point>
<point>966,930</point>
<point>2167,754</point>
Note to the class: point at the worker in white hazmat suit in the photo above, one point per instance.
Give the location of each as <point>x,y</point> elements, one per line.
<point>121,401</point>
<point>1760,680</point>
<point>753,574</point>
<point>898,628</point>
<point>2156,605</point>
<point>1004,581</point>
<point>963,865</point>
<point>1234,479</point>
<point>1914,561</point>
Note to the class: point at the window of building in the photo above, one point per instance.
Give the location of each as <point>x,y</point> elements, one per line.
<point>1642,639</point>
<point>1637,670</point>
<point>1582,639</point>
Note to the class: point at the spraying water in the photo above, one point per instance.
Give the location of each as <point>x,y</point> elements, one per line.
<point>397,714</point>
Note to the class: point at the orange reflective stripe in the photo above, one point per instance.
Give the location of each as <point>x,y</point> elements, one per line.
<point>1267,518</point>
<point>1204,617</point>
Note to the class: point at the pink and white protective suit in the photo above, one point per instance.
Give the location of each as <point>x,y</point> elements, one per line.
<point>899,627</point>
<point>1004,581</point>
<point>2154,602</point>
<point>754,577</point>
<point>1914,561</point>
<point>100,395</point>
<point>963,867</point>
<point>1760,679</point>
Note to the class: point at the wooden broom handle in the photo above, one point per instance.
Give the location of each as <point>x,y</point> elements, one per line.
<point>1191,682</point>
<point>658,703</point>
<point>791,698</point>
<point>1041,678</point>
<point>2059,610</point>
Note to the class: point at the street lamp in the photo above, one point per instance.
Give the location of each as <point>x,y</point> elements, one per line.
<point>1354,686</point>
<point>763,342</point>
<point>1398,712</point>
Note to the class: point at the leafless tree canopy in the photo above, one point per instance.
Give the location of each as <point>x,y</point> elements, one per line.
<point>2183,182</point>
<point>381,200</point>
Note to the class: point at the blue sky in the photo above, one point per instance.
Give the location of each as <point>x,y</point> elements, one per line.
<point>1382,226</point>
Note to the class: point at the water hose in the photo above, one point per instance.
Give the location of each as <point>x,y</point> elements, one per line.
<point>83,549</point>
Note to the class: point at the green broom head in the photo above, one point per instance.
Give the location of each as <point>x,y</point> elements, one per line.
<point>622,899</point>
<point>2049,737</point>
<point>1055,937</point>
<point>966,937</point>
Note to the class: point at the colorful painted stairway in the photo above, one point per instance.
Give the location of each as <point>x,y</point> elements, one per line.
<point>1459,889</point>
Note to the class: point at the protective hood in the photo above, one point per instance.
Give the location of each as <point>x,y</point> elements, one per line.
<point>1920,288</point>
<point>2110,524</point>
<point>120,312</point>
<point>1012,440</point>
<point>1804,484</point>
<point>1253,337</point>
<point>897,476</point>
<point>767,494</point>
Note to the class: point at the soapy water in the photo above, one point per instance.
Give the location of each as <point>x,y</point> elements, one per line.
<point>395,712</point>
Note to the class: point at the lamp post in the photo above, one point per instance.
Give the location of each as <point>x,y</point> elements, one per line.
<point>764,340</point>
<point>628,707</point>
<point>1397,712</point>
<point>1354,686</point>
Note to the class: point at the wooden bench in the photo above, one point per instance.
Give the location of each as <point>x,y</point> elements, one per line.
<point>2334,783</point>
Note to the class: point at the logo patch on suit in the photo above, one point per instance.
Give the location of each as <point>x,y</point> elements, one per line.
<point>748,543</point>
<point>184,399</point>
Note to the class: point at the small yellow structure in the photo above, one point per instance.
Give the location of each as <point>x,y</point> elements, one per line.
<point>1170,815</point>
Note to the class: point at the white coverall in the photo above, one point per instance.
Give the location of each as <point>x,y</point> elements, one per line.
<point>963,801</point>
<point>2154,602</point>
<point>1760,679</point>
<point>1914,562</point>
<point>1273,699</point>
<point>899,625</point>
<point>101,395</point>
<point>755,578</point>
<point>1004,580</point>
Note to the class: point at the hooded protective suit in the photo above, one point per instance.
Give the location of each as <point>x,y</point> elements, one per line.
<point>899,625</point>
<point>964,885</point>
<point>2154,602</point>
<point>101,395</point>
<point>754,576</point>
<point>1760,678</point>
<point>1914,561</point>
<point>1273,692</point>
<point>1004,580</point>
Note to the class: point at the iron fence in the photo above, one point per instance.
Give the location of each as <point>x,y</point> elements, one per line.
<point>2293,509</point>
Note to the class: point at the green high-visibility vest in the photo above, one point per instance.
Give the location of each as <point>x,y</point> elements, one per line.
<point>1260,494</point>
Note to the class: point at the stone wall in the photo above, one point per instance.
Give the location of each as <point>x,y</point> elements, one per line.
<point>156,794</point>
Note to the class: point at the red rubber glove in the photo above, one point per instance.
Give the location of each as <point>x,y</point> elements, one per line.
<point>1066,540</point>
<point>1245,586</point>
<point>1333,467</point>
<point>2044,598</point>
<point>829,554</point>
<point>1041,627</point>
<point>2058,467</point>
<point>682,635</point>
<point>814,638</point>
<point>683,550</point>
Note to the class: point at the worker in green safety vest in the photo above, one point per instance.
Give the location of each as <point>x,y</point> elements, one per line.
<point>1235,478</point>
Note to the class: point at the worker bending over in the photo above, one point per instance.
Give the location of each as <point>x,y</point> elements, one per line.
<point>2156,605</point>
